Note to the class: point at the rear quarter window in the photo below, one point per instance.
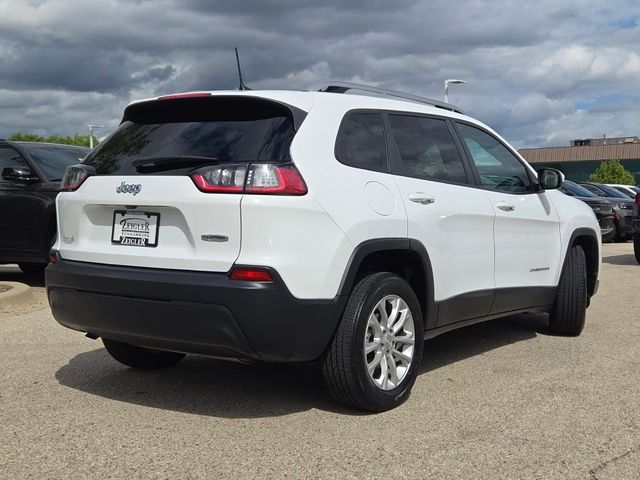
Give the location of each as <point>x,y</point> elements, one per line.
<point>361,143</point>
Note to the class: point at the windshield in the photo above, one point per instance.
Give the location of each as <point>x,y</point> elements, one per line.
<point>575,189</point>
<point>612,192</point>
<point>628,192</point>
<point>53,159</point>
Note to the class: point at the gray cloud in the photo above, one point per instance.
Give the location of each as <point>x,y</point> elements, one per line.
<point>539,72</point>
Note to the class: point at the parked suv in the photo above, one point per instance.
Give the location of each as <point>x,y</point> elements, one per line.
<point>30,175</point>
<point>288,226</point>
<point>622,208</point>
<point>601,207</point>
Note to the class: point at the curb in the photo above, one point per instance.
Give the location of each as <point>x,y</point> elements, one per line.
<point>18,294</point>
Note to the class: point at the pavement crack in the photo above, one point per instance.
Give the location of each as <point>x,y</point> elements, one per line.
<point>594,471</point>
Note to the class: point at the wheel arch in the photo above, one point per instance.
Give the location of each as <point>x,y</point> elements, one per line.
<point>588,240</point>
<point>407,258</point>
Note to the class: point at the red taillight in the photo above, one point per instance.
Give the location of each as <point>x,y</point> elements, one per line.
<point>249,274</point>
<point>260,178</point>
<point>638,199</point>
<point>220,179</point>
<point>185,95</point>
<point>74,176</point>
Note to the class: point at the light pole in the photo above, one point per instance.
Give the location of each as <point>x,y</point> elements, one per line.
<point>446,87</point>
<point>91,127</point>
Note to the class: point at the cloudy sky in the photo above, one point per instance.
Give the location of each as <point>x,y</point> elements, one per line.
<point>540,72</point>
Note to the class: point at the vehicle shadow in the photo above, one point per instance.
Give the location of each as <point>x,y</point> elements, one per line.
<point>210,387</point>
<point>11,273</point>
<point>627,259</point>
<point>477,339</point>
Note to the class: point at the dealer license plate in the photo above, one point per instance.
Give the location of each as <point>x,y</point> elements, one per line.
<point>135,228</point>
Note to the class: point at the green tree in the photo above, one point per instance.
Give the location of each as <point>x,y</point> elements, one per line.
<point>27,137</point>
<point>612,171</point>
<point>78,140</point>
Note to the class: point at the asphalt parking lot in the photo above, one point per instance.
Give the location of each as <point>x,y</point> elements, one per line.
<point>499,400</point>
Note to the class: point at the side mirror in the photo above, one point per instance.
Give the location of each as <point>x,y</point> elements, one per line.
<point>549,178</point>
<point>19,174</point>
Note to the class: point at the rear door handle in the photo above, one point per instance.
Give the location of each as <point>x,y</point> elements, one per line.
<point>506,207</point>
<point>421,198</point>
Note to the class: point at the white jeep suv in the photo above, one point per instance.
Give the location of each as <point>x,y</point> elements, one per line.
<point>287,226</point>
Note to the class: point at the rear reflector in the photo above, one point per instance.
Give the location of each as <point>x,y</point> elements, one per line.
<point>260,178</point>
<point>249,274</point>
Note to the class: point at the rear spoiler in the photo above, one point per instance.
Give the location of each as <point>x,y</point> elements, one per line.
<point>203,107</point>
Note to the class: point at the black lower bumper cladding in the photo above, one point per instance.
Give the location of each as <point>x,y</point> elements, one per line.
<point>192,312</point>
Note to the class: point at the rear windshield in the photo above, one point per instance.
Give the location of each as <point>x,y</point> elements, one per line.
<point>177,136</point>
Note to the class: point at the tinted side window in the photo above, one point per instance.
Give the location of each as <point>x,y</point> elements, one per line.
<point>499,169</point>
<point>427,149</point>
<point>10,158</point>
<point>361,142</point>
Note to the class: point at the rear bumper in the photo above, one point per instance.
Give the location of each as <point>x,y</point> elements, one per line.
<point>191,312</point>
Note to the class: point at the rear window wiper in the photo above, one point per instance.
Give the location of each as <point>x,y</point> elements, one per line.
<point>173,162</point>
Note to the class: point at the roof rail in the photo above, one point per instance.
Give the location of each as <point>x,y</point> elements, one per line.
<point>344,87</point>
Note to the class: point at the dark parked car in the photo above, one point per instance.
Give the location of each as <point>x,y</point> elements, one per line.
<point>30,175</point>
<point>622,208</point>
<point>600,206</point>
<point>635,222</point>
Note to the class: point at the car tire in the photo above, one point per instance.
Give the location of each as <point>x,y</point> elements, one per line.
<point>357,367</point>
<point>620,237</point>
<point>140,357</point>
<point>569,310</point>
<point>636,246</point>
<point>32,268</point>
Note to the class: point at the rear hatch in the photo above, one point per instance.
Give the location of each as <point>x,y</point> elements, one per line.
<point>141,203</point>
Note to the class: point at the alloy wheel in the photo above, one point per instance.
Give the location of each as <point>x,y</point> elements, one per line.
<point>389,342</point>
